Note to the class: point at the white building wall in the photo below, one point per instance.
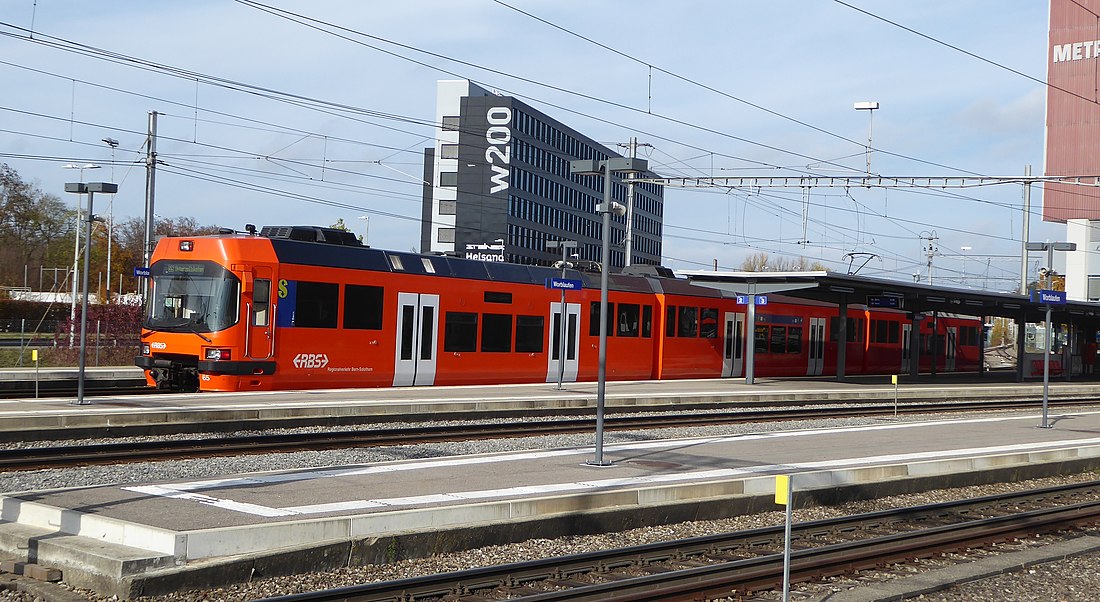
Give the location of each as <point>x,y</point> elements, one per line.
<point>1084,263</point>
<point>448,103</point>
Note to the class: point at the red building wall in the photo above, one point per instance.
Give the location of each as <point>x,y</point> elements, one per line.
<point>1073,109</point>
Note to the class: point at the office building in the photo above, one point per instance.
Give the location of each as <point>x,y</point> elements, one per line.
<point>498,187</point>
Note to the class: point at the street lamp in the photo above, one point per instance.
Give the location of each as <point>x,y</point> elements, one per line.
<point>111,142</point>
<point>965,249</point>
<point>366,228</point>
<point>91,188</point>
<point>76,247</point>
<point>564,245</point>
<point>591,167</point>
<point>870,107</point>
<point>1050,248</point>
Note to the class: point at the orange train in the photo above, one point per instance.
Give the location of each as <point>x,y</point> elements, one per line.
<point>304,307</point>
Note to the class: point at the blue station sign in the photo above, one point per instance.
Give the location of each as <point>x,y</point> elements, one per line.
<point>1048,297</point>
<point>564,284</point>
<point>141,272</point>
<point>760,300</point>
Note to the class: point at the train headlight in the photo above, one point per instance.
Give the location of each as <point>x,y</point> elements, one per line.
<point>145,349</point>
<point>218,354</point>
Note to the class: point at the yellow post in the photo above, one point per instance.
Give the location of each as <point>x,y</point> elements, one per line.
<point>894,379</point>
<point>785,495</point>
<point>34,358</point>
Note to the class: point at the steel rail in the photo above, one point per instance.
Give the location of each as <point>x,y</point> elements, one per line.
<point>55,456</point>
<point>744,575</point>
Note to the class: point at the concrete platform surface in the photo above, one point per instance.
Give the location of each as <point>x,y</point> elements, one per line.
<point>136,537</point>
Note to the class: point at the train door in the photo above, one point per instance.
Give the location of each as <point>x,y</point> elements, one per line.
<point>816,362</point>
<point>259,338</point>
<point>417,343</point>
<point>906,333</point>
<point>572,342</point>
<point>733,345</point>
<point>949,353</point>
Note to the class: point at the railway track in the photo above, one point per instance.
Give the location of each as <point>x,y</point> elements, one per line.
<point>34,458</point>
<point>737,564</point>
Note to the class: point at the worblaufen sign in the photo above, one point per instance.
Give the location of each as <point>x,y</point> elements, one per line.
<point>1049,297</point>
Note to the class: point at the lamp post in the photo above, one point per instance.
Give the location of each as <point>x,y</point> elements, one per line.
<point>91,188</point>
<point>564,245</point>
<point>1050,248</point>
<point>76,247</point>
<point>111,142</point>
<point>366,228</point>
<point>870,107</point>
<point>965,249</point>
<point>591,167</point>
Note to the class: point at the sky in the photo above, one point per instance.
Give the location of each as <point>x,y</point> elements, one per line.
<point>280,112</point>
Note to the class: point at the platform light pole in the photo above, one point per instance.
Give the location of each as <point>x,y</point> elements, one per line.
<point>565,246</point>
<point>76,249</point>
<point>1050,248</point>
<point>90,188</point>
<point>592,167</point>
<point>870,107</point>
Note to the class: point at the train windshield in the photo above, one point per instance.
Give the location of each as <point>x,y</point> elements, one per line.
<point>192,296</point>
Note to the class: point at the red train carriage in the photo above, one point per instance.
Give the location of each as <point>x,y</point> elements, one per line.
<point>303,307</point>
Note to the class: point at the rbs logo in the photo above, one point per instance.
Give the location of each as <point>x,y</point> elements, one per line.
<point>311,360</point>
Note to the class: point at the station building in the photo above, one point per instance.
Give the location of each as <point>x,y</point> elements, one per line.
<point>497,186</point>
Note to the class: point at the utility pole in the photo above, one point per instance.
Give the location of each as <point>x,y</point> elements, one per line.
<point>1026,234</point>
<point>111,142</point>
<point>150,185</point>
<point>629,243</point>
<point>930,250</point>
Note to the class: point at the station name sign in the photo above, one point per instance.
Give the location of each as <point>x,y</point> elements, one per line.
<point>1049,297</point>
<point>564,284</point>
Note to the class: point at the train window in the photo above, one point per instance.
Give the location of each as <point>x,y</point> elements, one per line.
<point>760,339</point>
<point>627,321</point>
<point>708,323</point>
<point>778,341</point>
<point>794,339</point>
<point>670,321</point>
<point>395,261</point>
<point>594,319</point>
<point>261,301</point>
<point>429,267</point>
<point>363,307</point>
<point>688,323</point>
<point>647,321</point>
<point>529,333</point>
<point>893,334</point>
<point>496,332</point>
<point>316,304</point>
<point>460,331</point>
<point>495,297</point>
<point>853,328</point>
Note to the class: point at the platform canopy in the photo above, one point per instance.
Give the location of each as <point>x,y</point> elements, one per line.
<point>832,287</point>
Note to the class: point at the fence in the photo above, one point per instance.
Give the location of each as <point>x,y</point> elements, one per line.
<point>18,337</point>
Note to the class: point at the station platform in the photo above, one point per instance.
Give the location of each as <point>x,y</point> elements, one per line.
<point>152,538</point>
<point>161,412</point>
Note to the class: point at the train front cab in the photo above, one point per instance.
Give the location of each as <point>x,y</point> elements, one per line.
<point>207,317</point>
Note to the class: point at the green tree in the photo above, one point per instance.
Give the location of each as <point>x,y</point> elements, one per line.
<point>34,227</point>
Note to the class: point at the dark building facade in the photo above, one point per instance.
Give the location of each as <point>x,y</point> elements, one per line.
<point>500,186</point>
